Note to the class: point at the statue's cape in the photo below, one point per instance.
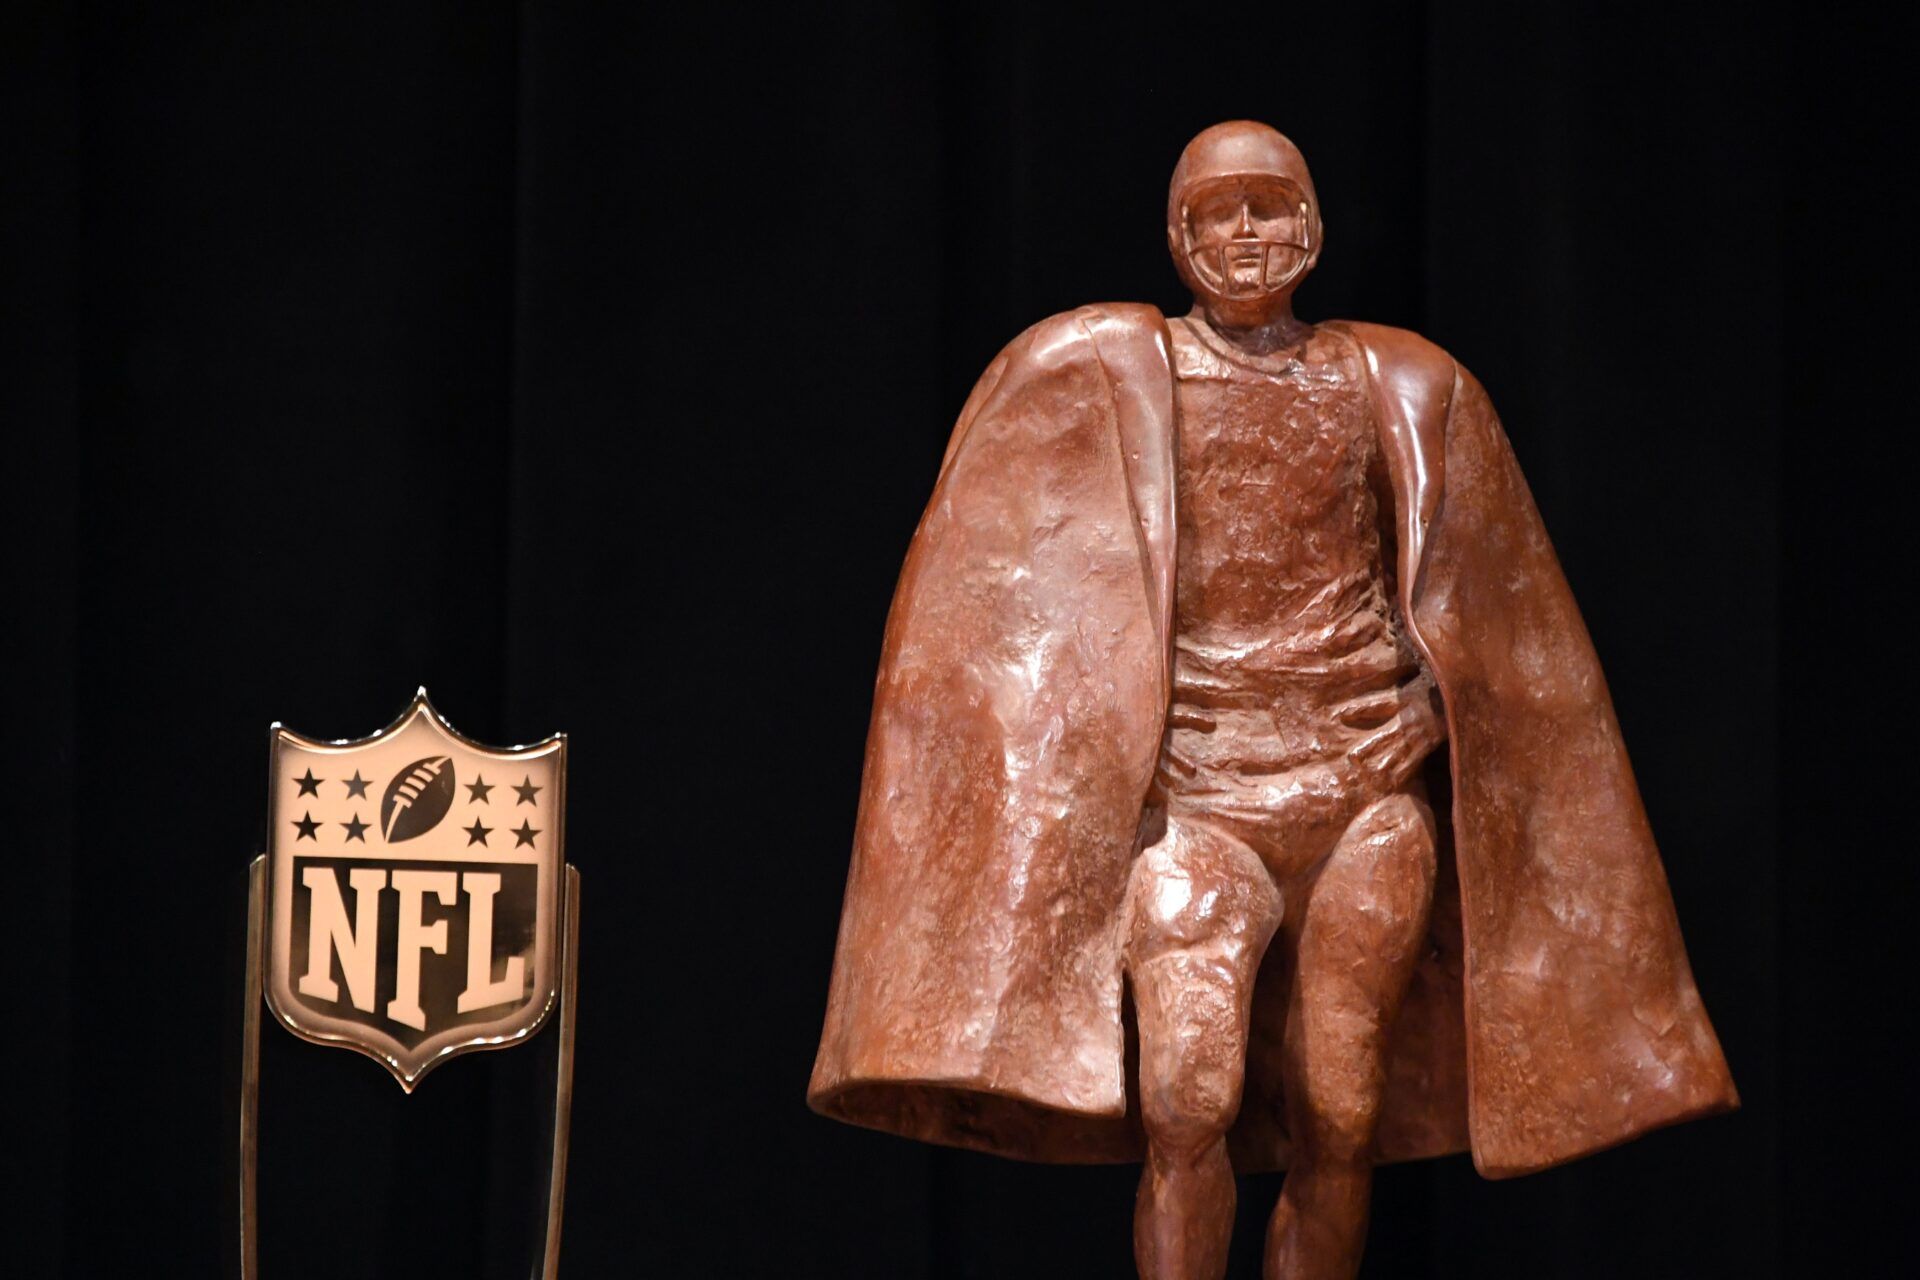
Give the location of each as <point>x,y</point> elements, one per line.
<point>977,994</point>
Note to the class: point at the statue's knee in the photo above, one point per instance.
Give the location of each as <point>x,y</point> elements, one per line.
<point>1186,1112</point>
<point>1342,1127</point>
<point>1192,1015</point>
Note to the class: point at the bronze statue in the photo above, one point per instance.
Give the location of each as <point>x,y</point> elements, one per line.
<point>1193,605</point>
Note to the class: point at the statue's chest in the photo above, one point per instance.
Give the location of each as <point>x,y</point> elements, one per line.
<point>1277,454</point>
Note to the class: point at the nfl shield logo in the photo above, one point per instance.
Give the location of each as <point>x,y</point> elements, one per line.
<point>414,889</point>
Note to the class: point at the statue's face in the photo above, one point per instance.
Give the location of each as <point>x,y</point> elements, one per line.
<point>1247,242</point>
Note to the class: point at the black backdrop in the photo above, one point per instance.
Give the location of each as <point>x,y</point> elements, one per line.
<point>591,366</point>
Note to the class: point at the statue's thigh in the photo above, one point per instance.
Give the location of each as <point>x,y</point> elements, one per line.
<point>1354,944</point>
<point>1201,911</point>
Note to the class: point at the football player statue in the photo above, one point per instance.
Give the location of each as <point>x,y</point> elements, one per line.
<point>1159,726</point>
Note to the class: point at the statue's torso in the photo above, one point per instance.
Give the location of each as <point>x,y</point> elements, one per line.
<point>1289,648</point>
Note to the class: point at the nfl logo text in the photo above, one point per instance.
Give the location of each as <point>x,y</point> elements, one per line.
<point>414,890</point>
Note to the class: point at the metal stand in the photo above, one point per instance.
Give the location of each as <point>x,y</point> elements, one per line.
<point>250,1070</point>
<point>563,1073</point>
<point>250,1073</point>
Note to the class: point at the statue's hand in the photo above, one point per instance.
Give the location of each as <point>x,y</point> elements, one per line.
<point>1391,753</point>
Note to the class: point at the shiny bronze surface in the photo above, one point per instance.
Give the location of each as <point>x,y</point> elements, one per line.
<point>397,828</point>
<point>1159,715</point>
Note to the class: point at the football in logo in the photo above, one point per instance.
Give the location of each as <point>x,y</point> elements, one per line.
<point>417,798</point>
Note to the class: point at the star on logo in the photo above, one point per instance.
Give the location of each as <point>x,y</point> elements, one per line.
<point>310,785</point>
<point>356,785</point>
<point>477,834</point>
<point>307,826</point>
<point>524,833</point>
<point>479,787</point>
<point>356,829</point>
<point>526,790</point>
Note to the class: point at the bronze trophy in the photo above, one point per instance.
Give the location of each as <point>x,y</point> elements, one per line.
<point>1155,772</point>
<point>462,846</point>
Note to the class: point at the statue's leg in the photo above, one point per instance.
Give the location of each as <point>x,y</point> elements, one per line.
<point>1202,909</point>
<point>1360,931</point>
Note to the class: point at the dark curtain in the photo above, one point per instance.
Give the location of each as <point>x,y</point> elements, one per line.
<point>591,365</point>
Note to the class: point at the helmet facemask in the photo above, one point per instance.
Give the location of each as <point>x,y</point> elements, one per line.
<point>1245,241</point>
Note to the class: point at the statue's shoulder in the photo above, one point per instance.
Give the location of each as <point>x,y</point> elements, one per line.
<point>1398,357</point>
<point>1129,317</point>
<point>1413,381</point>
<point>1108,331</point>
<point>1121,346</point>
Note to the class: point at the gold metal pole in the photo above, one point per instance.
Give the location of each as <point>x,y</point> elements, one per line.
<point>563,1075</point>
<point>250,1073</point>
